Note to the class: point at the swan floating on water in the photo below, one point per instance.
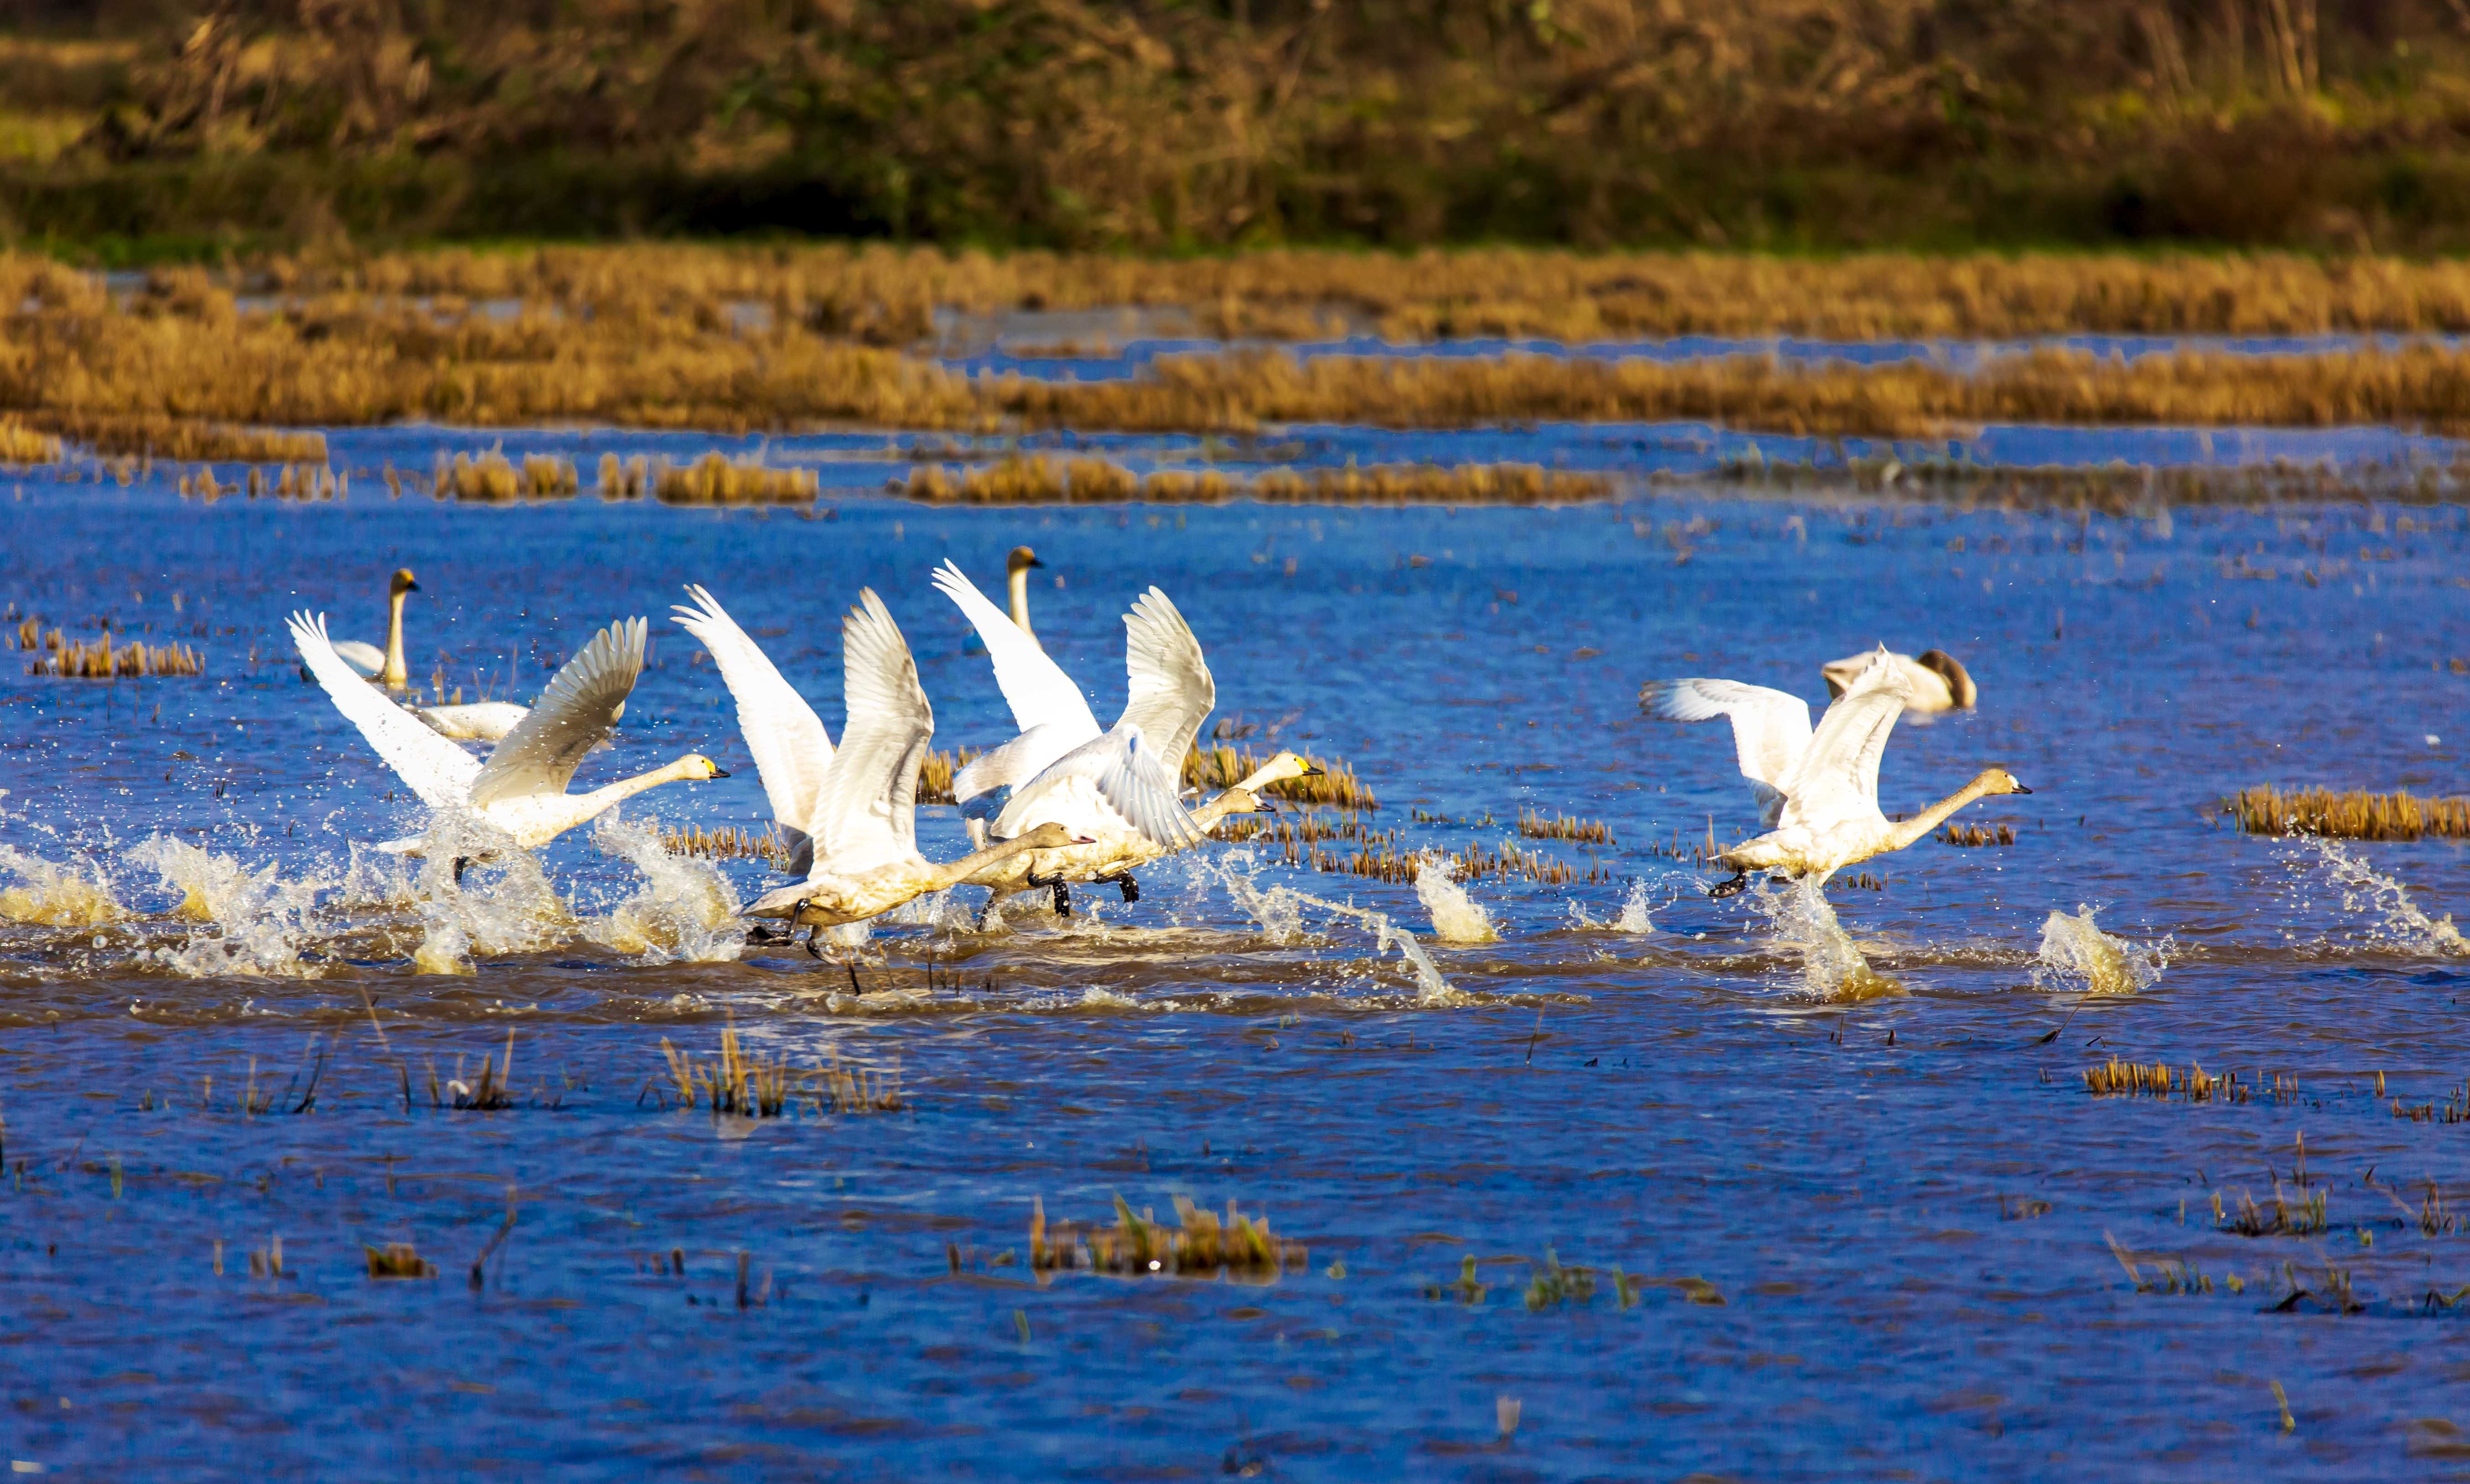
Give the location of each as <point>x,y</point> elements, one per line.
<point>1817,792</point>
<point>1119,787</point>
<point>481,721</point>
<point>521,789</point>
<point>851,812</point>
<point>1938,680</point>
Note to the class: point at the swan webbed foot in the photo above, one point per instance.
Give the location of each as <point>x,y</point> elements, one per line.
<point>1125,884</point>
<point>762,931</point>
<point>1733,888</point>
<point>815,943</point>
<point>462,863</point>
<point>1062,900</point>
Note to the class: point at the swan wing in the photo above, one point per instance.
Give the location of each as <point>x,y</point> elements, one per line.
<point>1014,763</point>
<point>477,720</point>
<point>367,659</point>
<point>575,714</point>
<point>1770,729</point>
<point>1035,686</point>
<point>1837,778</point>
<point>1171,693</point>
<point>1113,784</point>
<point>792,750</point>
<point>437,770</point>
<point>868,816</point>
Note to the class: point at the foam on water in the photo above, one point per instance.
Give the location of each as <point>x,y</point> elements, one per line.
<point>55,894</point>
<point>1634,918</point>
<point>253,922</point>
<point>1804,923</point>
<point>1280,912</point>
<point>2078,958</point>
<point>686,910</point>
<point>2392,920</point>
<point>505,903</point>
<point>1456,916</point>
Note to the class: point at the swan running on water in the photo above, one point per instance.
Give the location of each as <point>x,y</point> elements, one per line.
<point>1118,787</point>
<point>521,789</point>
<point>481,721</point>
<point>850,814</point>
<point>1817,792</point>
<point>1940,681</point>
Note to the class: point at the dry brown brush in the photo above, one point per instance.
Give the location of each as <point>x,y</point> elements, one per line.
<point>2353,814</point>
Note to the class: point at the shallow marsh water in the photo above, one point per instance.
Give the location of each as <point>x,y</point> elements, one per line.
<point>1902,1200</point>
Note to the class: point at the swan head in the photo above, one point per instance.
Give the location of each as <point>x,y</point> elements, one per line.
<point>696,768</point>
<point>1052,836</point>
<point>1021,560</point>
<point>401,582</point>
<point>1946,668</point>
<point>1999,781</point>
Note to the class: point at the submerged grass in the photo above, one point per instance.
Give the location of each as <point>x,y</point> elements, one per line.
<point>2352,814</point>
<point>1037,479</point>
<point>727,843</point>
<point>1211,769</point>
<point>1201,1245</point>
<point>2117,1078</point>
<point>935,773</point>
<point>96,659</point>
<point>744,1086</point>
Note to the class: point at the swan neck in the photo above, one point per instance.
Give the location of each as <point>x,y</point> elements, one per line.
<point>394,675</point>
<point>954,873</point>
<point>1240,799</point>
<point>1017,583</point>
<point>1930,819</point>
<point>609,794</point>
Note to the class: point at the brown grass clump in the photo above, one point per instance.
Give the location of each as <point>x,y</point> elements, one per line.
<point>1535,825</point>
<point>2350,815</point>
<point>756,1086</point>
<point>716,480</point>
<point>166,435</point>
<point>21,444</point>
<point>631,479</point>
<point>1215,768</point>
<point>398,1260</point>
<point>1201,1245</point>
<point>492,479</point>
<point>96,659</point>
<point>1040,480</point>
<point>1974,835</point>
<point>728,843</point>
<point>2118,489</point>
<point>935,773</point>
<point>2116,1079</point>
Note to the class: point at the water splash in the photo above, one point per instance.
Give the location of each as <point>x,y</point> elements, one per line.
<point>2392,919</point>
<point>55,894</point>
<point>1280,912</point>
<point>1804,923</point>
<point>686,911</point>
<point>1456,916</point>
<point>260,922</point>
<point>503,903</point>
<point>2079,958</point>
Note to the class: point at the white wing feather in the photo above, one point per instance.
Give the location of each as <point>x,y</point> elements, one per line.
<point>1171,693</point>
<point>792,750</point>
<point>869,814</point>
<point>434,768</point>
<point>1035,686</point>
<point>1770,729</point>
<point>575,714</point>
<point>1838,776</point>
<point>1129,782</point>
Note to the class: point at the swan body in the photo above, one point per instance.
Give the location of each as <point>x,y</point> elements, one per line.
<point>1817,790</point>
<point>1117,855</point>
<point>851,811</point>
<point>520,788</point>
<point>1118,787</point>
<point>480,721</point>
<point>1938,680</point>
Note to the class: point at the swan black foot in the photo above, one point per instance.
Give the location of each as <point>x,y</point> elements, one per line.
<point>462,863</point>
<point>1125,884</point>
<point>1063,900</point>
<point>1733,888</point>
<point>766,933</point>
<point>815,943</point>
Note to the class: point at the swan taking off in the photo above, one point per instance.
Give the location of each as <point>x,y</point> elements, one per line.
<point>852,813</point>
<point>1939,681</point>
<point>521,789</point>
<point>1817,792</point>
<point>1118,787</point>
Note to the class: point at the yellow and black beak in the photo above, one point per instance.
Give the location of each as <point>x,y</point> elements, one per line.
<point>719,772</point>
<point>2022,789</point>
<point>1032,562</point>
<point>1315,770</point>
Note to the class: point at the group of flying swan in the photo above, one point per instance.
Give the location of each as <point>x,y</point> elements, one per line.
<point>1062,802</point>
<point>1818,790</point>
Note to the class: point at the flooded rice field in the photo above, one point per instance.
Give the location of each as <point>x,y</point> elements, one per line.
<point>319,1163</point>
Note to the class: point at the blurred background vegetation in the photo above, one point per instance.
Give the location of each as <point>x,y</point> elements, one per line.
<point>147,127</point>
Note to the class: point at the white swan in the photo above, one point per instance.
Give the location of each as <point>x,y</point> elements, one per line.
<point>484,721</point>
<point>1017,567</point>
<point>1817,792</point>
<point>853,810</point>
<point>1938,680</point>
<point>521,789</point>
<point>1118,787</point>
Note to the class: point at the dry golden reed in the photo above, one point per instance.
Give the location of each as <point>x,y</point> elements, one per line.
<point>1037,481</point>
<point>1976,835</point>
<point>163,434</point>
<point>21,444</point>
<point>752,1085</point>
<point>492,479</point>
<point>935,773</point>
<point>2351,815</point>
<point>2117,1078</point>
<point>727,843</point>
<point>1212,768</point>
<point>1200,1244</point>
<point>97,660</point>
<point>1536,826</point>
<point>716,480</point>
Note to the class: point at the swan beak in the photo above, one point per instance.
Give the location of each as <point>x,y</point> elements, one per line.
<point>1315,770</point>
<point>2022,789</point>
<point>722,773</point>
<point>1081,840</point>
<point>1033,562</point>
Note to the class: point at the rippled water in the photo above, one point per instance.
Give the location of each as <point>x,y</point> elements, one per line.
<point>1860,1122</point>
